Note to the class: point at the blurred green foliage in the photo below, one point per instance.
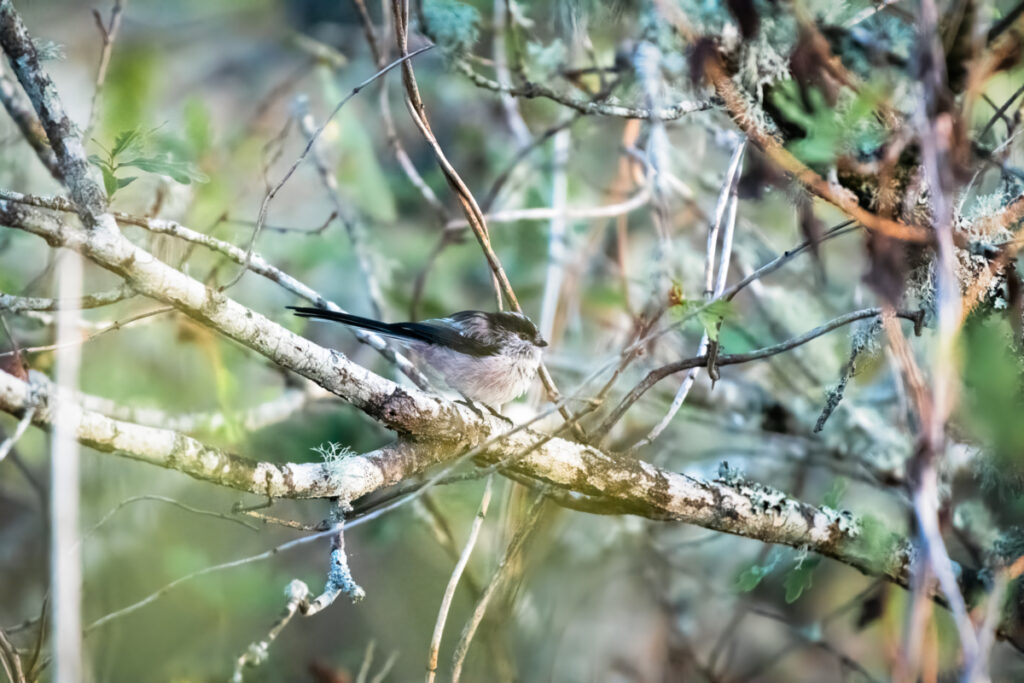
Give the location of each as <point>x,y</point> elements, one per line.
<point>830,131</point>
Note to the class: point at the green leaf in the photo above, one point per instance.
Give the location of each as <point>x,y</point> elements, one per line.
<point>109,181</point>
<point>709,315</point>
<point>180,171</point>
<point>749,579</point>
<point>126,140</point>
<point>831,131</point>
<point>125,182</point>
<point>835,493</point>
<point>710,323</point>
<point>98,161</point>
<point>720,308</point>
<point>800,579</point>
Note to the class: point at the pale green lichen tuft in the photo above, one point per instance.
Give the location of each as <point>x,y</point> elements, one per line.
<point>763,499</point>
<point>332,453</point>
<point>49,51</point>
<point>843,520</point>
<point>454,26</point>
<point>863,340</point>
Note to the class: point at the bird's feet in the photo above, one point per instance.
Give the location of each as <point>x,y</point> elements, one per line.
<point>496,413</point>
<point>471,405</point>
<point>474,406</point>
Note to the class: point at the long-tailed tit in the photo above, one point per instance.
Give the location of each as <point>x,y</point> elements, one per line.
<point>487,357</point>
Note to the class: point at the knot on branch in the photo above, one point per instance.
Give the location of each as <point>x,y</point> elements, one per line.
<point>393,407</point>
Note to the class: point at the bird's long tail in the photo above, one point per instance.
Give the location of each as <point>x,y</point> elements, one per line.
<point>408,331</point>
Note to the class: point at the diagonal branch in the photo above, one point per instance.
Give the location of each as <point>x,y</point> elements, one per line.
<point>477,221</point>
<point>87,194</point>
<point>25,119</point>
<point>628,485</point>
<point>257,264</point>
<point>348,477</point>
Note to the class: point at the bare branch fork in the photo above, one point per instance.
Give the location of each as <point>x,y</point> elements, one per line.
<point>339,580</point>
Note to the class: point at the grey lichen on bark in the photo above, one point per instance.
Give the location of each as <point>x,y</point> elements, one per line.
<point>62,133</point>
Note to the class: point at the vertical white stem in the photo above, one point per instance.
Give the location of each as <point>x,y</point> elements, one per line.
<point>453,582</point>
<point>556,235</point>
<point>65,556</point>
<point>725,211</point>
<point>724,199</point>
<point>510,105</point>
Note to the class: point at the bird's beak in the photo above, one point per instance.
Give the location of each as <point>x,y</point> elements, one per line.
<point>541,343</point>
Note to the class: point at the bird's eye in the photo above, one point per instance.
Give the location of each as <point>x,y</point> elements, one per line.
<point>524,336</point>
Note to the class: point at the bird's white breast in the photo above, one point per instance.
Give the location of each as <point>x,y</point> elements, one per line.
<point>493,380</point>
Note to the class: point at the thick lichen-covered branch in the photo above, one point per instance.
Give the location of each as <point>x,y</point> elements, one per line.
<point>727,504</point>
<point>347,477</point>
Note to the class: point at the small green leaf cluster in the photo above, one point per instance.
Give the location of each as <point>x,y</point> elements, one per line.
<point>144,150</point>
<point>801,575</point>
<point>709,314</point>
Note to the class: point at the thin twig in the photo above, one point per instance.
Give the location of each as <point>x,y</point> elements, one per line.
<point>109,34</point>
<point>509,104</point>
<point>269,196</point>
<point>156,595</point>
<point>339,576</point>
<point>584,106</point>
<point>27,122</point>
<point>389,664</point>
<point>23,423</point>
<point>162,499</point>
<point>17,304</point>
<point>656,375</point>
<point>453,581</point>
<point>11,660</point>
<point>1000,111</point>
<point>475,217</point>
<point>354,230</point>
<point>113,327</point>
<point>557,248</point>
<point>364,666</point>
<point>397,149</point>
<point>633,203</point>
<point>256,263</point>
<point>725,211</point>
<point>258,652</point>
<point>521,154</point>
<point>512,552</point>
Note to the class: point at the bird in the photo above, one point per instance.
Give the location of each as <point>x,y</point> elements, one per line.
<point>487,357</point>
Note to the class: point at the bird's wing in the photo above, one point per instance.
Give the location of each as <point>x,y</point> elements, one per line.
<point>448,332</point>
<point>441,332</point>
